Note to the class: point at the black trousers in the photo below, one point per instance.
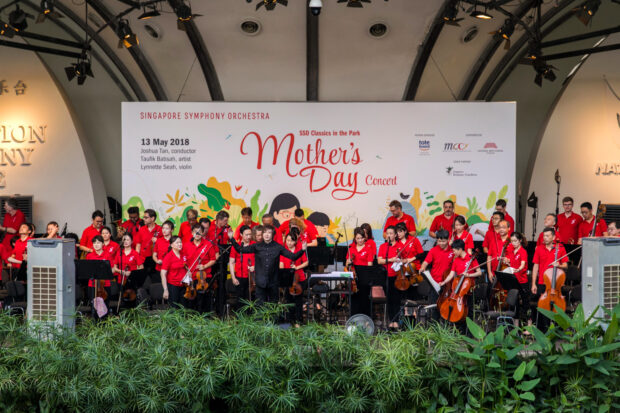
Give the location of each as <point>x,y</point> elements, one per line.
<point>269,294</point>
<point>222,274</point>
<point>524,305</point>
<point>243,291</point>
<point>296,313</point>
<point>394,299</point>
<point>360,302</point>
<point>542,322</point>
<point>175,296</point>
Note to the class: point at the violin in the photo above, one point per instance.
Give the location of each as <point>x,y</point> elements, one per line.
<point>100,289</point>
<point>454,307</point>
<point>499,295</point>
<point>129,294</point>
<point>190,291</point>
<point>401,282</point>
<point>201,283</point>
<point>554,281</point>
<point>351,268</point>
<point>295,289</point>
<point>251,278</point>
<point>446,290</point>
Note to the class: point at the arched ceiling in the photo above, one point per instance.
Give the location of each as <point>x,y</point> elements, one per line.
<point>297,57</point>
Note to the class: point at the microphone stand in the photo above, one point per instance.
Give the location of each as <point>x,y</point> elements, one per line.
<point>335,251</point>
<point>558,179</point>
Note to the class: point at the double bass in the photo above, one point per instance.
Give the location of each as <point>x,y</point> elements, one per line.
<point>554,281</point>
<point>454,307</point>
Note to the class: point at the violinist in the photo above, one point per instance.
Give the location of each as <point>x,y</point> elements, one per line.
<point>98,253</point>
<point>110,247</point>
<point>146,239</point>
<point>162,245</point>
<point>205,223</point>
<point>440,258</point>
<point>127,259</point>
<point>292,244</point>
<point>498,248</point>
<point>544,258</point>
<point>133,224</point>
<point>460,232</point>
<point>52,230</point>
<point>185,230</point>
<point>241,265</point>
<point>549,222</point>
<point>585,228</point>
<point>517,260</point>
<point>568,222</point>
<point>387,255</point>
<point>361,254</point>
<point>246,220</point>
<point>19,253</point>
<point>492,234</point>
<point>369,238</point>
<point>409,247</point>
<point>173,270</point>
<point>200,257</point>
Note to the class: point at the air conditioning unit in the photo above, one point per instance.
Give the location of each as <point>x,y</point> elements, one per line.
<point>24,204</point>
<point>600,274</point>
<point>51,282</point>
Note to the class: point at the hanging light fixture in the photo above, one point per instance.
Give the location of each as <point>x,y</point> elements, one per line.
<point>18,19</point>
<point>6,30</point>
<point>80,70</point>
<point>126,36</point>
<point>184,14</point>
<point>149,12</point>
<point>47,10</point>
<point>483,15</point>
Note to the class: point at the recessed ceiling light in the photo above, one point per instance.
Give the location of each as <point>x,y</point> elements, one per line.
<point>153,30</point>
<point>250,27</point>
<point>378,30</point>
<point>469,34</point>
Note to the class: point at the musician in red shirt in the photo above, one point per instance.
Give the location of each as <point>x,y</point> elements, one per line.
<point>310,229</point>
<point>13,219</point>
<point>492,235</point>
<point>200,256</point>
<point>133,224</point>
<point>516,258</point>
<point>387,257</point>
<point>544,259</point>
<point>147,237</point>
<point>613,230</point>
<point>297,227</point>
<point>241,265</point>
<point>86,242</point>
<point>162,245</point>
<point>440,258</point>
<point>173,270</point>
<point>409,247</point>
<point>292,244</point>
<point>52,230</point>
<point>444,221</point>
<point>110,247</point>
<point>185,230</point>
<point>549,222</point>
<point>360,254</point>
<point>99,254</point>
<point>246,220</point>
<point>398,216</point>
<point>219,233</point>
<point>127,260</point>
<point>460,232</point>
<point>568,222</point>
<point>497,249</point>
<point>500,206</point>
<point>19,254</point>
<point>369,238</point>
<point>585,228</point>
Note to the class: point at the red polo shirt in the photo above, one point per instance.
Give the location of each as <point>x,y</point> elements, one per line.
<point>20,248</point>
<point>237,235</point>
<point>585,228</point>
<point>442,222</point>
<point>176,268</point>
<point>145,239</point>
<point>407,219</point>
<point>569,227</point>
<point>544,257</point>
<point>516,258</point>
<point>467,238</point>
<point>490,238</point>
<point>219,235</point>
<point>162,246</point>
<point>129,262</point>
<point>87,236</point>
<point>300,273</point>
<point>410,248</point>
<point>12,221</point>
<point>387,251</point>
<point>132,228</point>
<point>441,261</point>
<point>241,268</point>
<point>508,218</point>
<point>200,254</point>
<point>185,232</point>
<point>99,257</point>
<point>363,256</point>
<point>459,265</point>
<point>111,249</point>
<point>556,238</point>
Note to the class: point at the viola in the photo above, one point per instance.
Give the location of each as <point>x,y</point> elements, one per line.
<point>499,293</point>
<point>201,283</point>
<point>295,289</point>
<point>351,268</point>
<point>554,281</point>
<point>190,291</point>
<point>252,278</point>
<point>100,289</point>
<point>454,307</point>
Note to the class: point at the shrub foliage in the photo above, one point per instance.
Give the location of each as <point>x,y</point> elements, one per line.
<point>180,361</point>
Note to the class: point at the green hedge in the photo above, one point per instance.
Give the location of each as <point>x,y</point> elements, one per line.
<point>183,362</point>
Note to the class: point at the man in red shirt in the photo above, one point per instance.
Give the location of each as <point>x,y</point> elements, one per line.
<point>493,234</point>
<point>444,221</point>
<point>498,248</point>
<point>549,222</point>
<point>310,231</point>
<point>13,219</point>
<point>146,239</point>
<point>568,222</point>
<point>241,265</point>
<point>19,254</point>
<point>199,254</point>
<point>500,206</point>
<point>246,220</point>
<point>585,228</point>
<point>86,242</point>
<point>544,258</point>
<point>185,230</point>
<point>396,208</point>
<point>440,258</point>
<point>133,224</point>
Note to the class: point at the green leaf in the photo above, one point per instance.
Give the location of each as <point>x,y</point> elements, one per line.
<point>566,359</point>
<point>491,200</point>
<point>612,330</point>
<point>591,361</point>
<point>442,399</point>
<point>472,400</point>
<point>599,367</point>
<point>470,356</point>
<point>531,365</point>
<point>502,193</point>
<point>603,408</point>
<point>528,396</point>
<point>602,349</point>
<point>494,365</point>
<point>554,381</point>
<point>214,197</point>
<point>520,371</point>
<point>528,385</point>
<point>475,329</point>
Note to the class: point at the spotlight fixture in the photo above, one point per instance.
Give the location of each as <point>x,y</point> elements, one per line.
<point>270,4</point>
<point>126,36</point>
<point>586,11</point>
<point>450,15</point>
<point>483,15</point>
<point>18,19</point>
<point>184,14</point>
<point>81,70</point>
<point>543,71</point>
<point>505,32</point>
<point>354,3</point>
<point>149,12</point>
<point>47,10</point>
<point>6,30</point>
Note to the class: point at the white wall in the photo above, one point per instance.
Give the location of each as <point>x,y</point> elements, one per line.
<point>583,131</point>
<point>57,176</point>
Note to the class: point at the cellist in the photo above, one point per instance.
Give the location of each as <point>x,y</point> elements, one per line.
<point>544,258</point>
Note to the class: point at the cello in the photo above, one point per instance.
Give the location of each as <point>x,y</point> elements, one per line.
<point>554,280</point>
<point>454,307</point>
<point>350,267</point>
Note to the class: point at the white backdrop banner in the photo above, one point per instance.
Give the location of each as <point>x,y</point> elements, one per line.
<point>341,162</point>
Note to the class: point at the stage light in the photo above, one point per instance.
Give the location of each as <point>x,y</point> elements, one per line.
<point>79,70</point>
<point>451,13</point>
<point>506,31</point>
<point>543,71</point>
<point>184,14</point>
<point>6,30</point>
<point>126,36</point>
<point>269,4</point>
<point>585,12</point>
<point>18,19</point>
<point>149,13</point>
<point>354,3</point>
<point>47,10</point>
<point>532,201</point>
<point>481,14</point>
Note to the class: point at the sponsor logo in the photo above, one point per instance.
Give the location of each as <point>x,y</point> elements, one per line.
<point>424,145</point>
<point>490,148</point>
<point>449,170</point>
<point>455,147</point>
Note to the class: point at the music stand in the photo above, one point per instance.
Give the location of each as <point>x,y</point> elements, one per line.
<point>86,270</point>
<point>508,281</point>
<point>320,255</point>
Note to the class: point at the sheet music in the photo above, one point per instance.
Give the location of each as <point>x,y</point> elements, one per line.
<point>430,279</point>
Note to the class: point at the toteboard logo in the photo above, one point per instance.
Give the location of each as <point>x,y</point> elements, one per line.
<point>455,147</point>
<point>424,146</point>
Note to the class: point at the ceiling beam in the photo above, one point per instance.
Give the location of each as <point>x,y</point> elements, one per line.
<point>312,56</point>
<point>39,49</point>
<point>136,53</point>
<point>202,54</point>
